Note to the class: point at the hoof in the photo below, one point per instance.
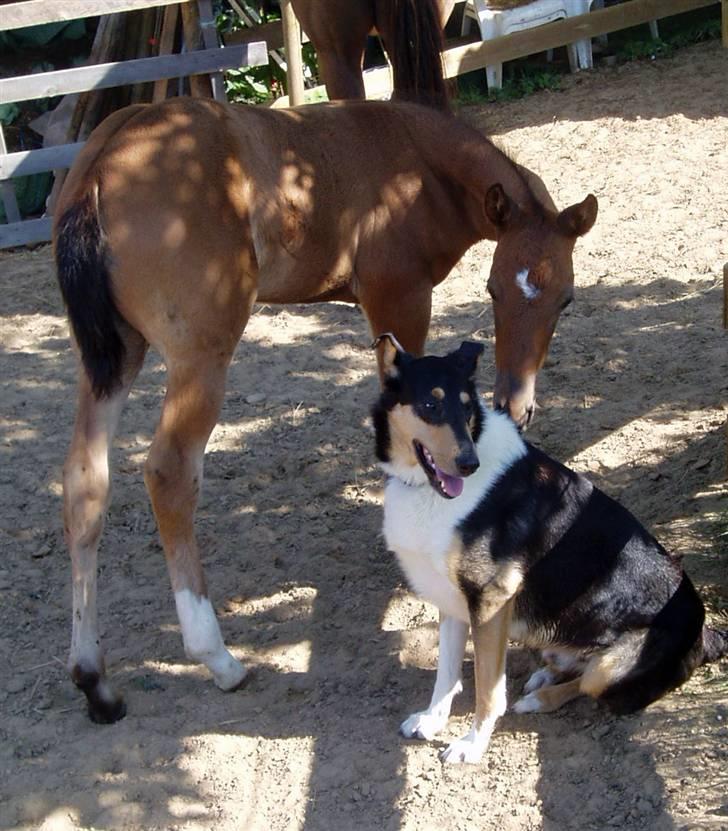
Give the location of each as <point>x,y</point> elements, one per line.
<point>106,712</point>
<point>104,705</point>
<point>232,677</point>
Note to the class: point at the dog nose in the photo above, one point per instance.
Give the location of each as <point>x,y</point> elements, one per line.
<point>467,463</point>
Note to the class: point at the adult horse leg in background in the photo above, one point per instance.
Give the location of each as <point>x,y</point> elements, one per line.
<point>412,35</point>
<point>338,30</point>
<point>412,32</point>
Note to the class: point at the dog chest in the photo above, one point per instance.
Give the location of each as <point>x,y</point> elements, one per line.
<point>423,536</point>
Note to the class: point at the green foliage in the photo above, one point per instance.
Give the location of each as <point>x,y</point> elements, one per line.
<point>258,84</point>
<point>674,34</point>
<point>527,81</point>
<point>521,79</point>
<point>8,113</point>
<point>635,50</point>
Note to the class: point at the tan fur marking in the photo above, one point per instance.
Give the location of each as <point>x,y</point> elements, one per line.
<point>464,397</point>
<point>551,698</point>
<point>606,669</point>
<point>598,675</point>
<point>438,393</point>
<point>439,440</point>
<point>498,591</point>
<point>490,641</point>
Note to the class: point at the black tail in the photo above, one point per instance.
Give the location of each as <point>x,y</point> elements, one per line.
<point>715,644</point>
<point>416,53</point>
<point>671,649</point>
<point>83,275</point>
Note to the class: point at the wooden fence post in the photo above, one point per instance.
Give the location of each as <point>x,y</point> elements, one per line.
<point>294,59</point>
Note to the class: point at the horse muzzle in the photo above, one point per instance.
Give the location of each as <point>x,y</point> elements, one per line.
<point>515,396</point>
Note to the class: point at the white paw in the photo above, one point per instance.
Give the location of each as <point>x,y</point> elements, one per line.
<point>528,704</point>
<point>424,725</point>
<point>541,678</point>
<point>229,674</point>
<point>466,750</point>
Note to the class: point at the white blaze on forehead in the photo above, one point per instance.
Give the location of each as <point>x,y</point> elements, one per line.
<point>529,290</point>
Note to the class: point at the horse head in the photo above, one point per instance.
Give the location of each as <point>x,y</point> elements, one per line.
<point>531,282</point>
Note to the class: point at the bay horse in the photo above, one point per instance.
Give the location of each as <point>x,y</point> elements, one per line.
<point>411,31</point>
<point>177,217</point>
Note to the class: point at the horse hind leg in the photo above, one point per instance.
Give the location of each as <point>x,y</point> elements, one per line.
<point>86,497</point>
<point>173,475</point>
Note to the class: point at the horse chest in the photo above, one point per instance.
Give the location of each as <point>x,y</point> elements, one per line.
<point>422,534</point>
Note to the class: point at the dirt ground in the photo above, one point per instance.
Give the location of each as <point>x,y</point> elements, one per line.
<point>634,393</point>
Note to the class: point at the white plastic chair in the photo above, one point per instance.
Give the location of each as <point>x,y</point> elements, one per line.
<point>495,22</point>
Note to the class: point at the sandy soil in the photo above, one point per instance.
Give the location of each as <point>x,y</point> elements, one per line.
<point>634,393</point>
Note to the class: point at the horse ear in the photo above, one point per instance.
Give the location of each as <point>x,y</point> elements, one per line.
<point>499,207</point>
<point>468,355</point>
<point>579,219</point>
<point>391,351</point>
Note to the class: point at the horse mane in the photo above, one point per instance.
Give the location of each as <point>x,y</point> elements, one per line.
<point>538,200</point>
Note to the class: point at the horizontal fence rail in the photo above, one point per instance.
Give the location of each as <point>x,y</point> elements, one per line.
<point>139,70</point>
<point>36,12</point>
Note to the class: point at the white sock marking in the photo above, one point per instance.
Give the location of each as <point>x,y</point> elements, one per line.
<point>203,641</point>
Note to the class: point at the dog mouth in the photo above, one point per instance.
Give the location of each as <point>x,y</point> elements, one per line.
<point>447,486</point>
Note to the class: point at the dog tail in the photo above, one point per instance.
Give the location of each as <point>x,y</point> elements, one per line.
<point>417,53</point>
<point>715,644</point>
<point>82,264</point>
<point>647,664</point>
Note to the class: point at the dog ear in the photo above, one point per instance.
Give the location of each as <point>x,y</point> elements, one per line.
<point>467,356</point>
<point>391,353</point>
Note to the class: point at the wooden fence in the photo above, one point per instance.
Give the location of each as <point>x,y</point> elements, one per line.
<point>210,60</point>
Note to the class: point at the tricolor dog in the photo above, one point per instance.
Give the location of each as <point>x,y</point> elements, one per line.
<point>507,542</point>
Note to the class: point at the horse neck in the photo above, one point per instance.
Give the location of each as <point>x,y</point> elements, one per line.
<point>477,164</point>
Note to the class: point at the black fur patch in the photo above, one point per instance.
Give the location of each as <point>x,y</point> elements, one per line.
<point>591,574</point>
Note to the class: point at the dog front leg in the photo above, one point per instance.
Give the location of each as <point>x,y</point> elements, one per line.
<point>428,723</point>
<point>490,641</point>
<point>500,590</point>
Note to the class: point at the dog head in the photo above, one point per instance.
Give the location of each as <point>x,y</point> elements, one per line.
<point>428,418</point>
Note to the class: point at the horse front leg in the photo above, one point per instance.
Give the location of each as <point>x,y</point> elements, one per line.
<point>173,476</point>
<point>400,306</point>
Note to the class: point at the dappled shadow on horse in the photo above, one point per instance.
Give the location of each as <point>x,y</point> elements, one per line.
<point>177,217</point>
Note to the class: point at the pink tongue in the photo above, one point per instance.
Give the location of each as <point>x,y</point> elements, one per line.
<point>452,485</point>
